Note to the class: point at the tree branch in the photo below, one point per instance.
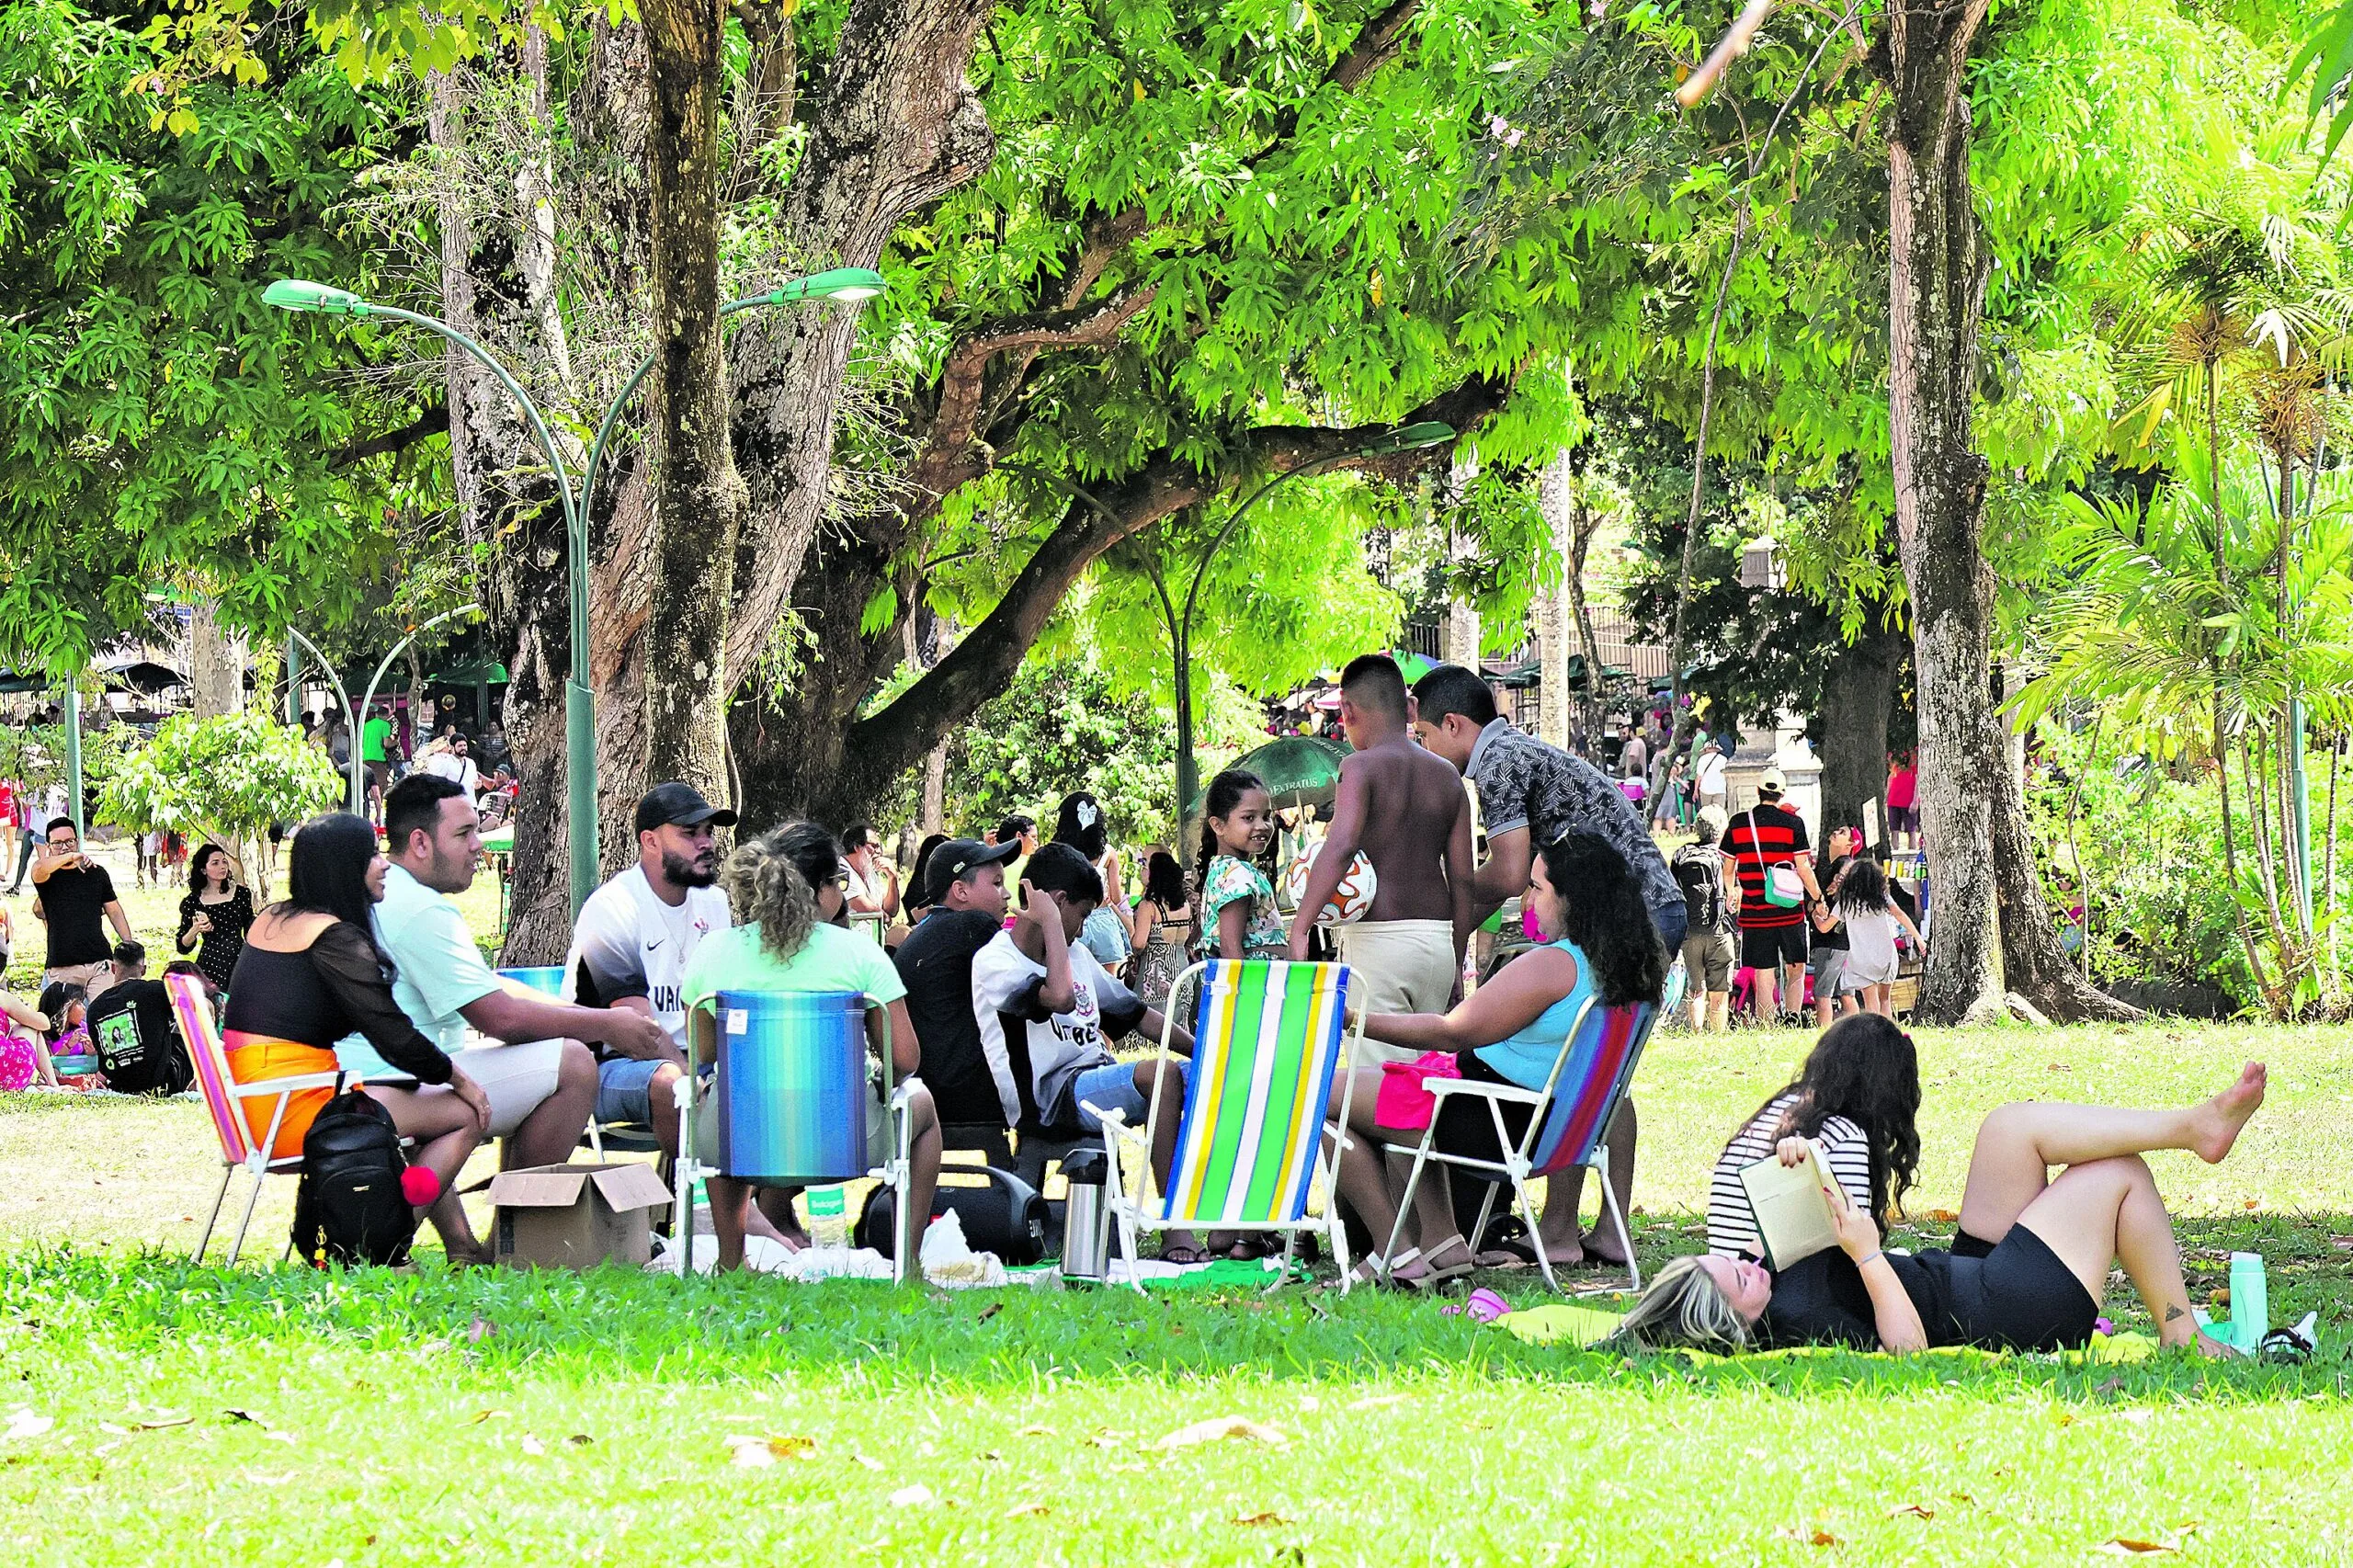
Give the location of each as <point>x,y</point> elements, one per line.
<point>434,421</point>
<point>885,743</point>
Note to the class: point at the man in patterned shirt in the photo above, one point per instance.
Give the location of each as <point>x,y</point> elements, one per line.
<point>1532,793</point>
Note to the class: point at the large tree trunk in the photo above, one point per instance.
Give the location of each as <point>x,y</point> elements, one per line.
<point>1936,298</point>
<point>1858,694</point>
<point>698,497</point>
<point>610,108</point>
<point>216,660</point>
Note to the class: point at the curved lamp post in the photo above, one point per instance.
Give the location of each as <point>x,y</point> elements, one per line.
<point>579,700</point>
<point>1404,438</point>
<point>358,717</point>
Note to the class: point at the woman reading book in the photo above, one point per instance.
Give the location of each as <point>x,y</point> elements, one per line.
<point>1857,1098</point>
<point>2026,1271</point>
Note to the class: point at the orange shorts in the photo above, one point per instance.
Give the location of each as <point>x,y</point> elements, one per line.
<point>254,1058</point>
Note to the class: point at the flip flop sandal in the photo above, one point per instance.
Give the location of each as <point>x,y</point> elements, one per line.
<point>1185,1256</point>
<point>1505,1244</point>
<point>1441,1275</point>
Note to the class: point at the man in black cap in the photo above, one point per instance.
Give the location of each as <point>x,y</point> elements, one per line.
<point>631,944</point>
<point>964,882</point>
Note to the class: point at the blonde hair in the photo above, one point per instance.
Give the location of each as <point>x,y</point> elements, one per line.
<point>766,884</point>
<point>1683,1309</point>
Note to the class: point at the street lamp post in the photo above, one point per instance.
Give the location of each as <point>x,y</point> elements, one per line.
<point>356,772</point>
<point>1404,438</point>
<point>579,700</point>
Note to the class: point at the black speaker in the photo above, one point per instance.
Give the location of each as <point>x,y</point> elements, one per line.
<point>1006,1217</point>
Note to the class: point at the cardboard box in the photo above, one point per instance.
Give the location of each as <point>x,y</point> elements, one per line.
<point>576,1216</point>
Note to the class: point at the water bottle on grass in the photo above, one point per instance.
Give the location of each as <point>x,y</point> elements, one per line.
<point>828,1226</point>
<point>2250,1302</point>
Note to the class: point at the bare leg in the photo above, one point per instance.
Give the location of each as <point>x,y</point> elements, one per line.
<point>1700,998</point>
<point>730,1200</point>
<point>550,1134</point>
<point>446,1135</point>
<point>1767,993</point>
<point>1719,1010</point>
<point>1793,991</point>
<point>923,1161</point>
<point>777,1222</point>
<point>2109,1209</point>
<point>662,1107</point>
<point>2018,1145</point>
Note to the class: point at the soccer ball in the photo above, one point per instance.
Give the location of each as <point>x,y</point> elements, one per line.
<point>1351,900</point>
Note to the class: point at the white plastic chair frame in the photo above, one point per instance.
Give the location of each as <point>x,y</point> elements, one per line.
<point>896,1172</point>
<point>1515,1165</point>
<point>1132,1210</point>
<point>258,1162</point>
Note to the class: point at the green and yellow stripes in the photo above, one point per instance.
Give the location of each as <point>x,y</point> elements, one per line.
<point>1262,1064</point>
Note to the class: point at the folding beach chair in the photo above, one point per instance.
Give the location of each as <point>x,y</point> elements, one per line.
<point>1267,1037</point>
<point>224,1096</point>
<point>1570,1117</point>
<point>793,1104</point>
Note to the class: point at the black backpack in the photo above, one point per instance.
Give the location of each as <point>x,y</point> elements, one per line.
<point>349,1207</point>
<point>1699,872</point>
<point>139,1045</point>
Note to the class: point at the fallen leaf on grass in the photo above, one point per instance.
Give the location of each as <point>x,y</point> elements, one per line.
<point>1035,1432</point>
<point>1914,1510</point>
<point>1027,1510</point>
<point>163,1421</point>
<point>1217,1429</point>
<point>868,1460</point>
<point>756,1453</point>
<point>234,1413</point>
<point>580,1439</point>
<point>2255,1203</point>
<point>490,1415</point>
<point>25,1424</point>
<point>989,1312</point>
<point>992,1457</point>
<point>2125,1546</point>
<point>1944,1216</point>
<point>1823,1538</point>
<point>916,1496</point>
<point>532,1445</point>
<point>2342,1244</point>
<point>1269,1517</point>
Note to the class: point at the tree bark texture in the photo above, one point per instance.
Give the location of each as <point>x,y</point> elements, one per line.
<point>1936,298</point>
<point>609,109</point>
<point>699,498</point>
<point>216,662</point>
<point>1858,694</point>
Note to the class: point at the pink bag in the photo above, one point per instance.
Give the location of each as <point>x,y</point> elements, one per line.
<point>1403,1103</point>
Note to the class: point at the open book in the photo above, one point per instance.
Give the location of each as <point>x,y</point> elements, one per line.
<point>1794,1214</point>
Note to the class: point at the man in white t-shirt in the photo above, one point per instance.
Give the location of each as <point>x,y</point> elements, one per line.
<point>1708,782</point>
<point>631,946</point>
<point>456,767</point>
<point>1044,1007</point>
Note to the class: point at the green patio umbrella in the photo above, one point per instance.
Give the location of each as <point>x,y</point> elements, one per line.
<point>1298,770</point>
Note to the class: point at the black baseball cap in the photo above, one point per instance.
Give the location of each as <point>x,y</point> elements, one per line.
<point>958,858</point>
<point>679,805</point>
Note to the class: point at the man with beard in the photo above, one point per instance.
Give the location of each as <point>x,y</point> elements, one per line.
<point>522,1048</point>
<point>631,944</point>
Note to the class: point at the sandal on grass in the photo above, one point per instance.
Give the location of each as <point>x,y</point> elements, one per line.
<point>1438,1273</point>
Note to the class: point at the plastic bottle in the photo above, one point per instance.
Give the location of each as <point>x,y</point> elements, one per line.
<point>2250,1302</point>
<point>828,1227</point>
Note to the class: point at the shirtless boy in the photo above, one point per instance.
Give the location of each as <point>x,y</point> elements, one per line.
<point>1405,810</point>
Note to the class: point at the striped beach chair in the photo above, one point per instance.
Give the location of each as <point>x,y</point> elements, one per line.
<point>1572,1116</point>
<point>1267,1037</point>
<point>222,1097</point>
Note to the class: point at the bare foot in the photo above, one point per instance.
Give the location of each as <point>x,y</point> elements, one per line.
<point>2217,1122</point>
<point>759,1225</point>
<point>2214,1349</point>
<point>1598,1249</point>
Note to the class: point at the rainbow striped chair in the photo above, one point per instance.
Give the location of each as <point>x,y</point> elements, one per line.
<point>1267,1037</point>
<point>1571,1118</point>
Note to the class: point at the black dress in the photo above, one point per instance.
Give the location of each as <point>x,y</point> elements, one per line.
<point>231,918</point>
<point>2018,1295</point>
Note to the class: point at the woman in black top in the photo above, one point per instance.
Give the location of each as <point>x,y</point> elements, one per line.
<point>310,975</point>
<point>2027,1270</point>
<point>216,912</point>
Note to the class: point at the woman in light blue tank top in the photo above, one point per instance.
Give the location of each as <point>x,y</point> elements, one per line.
<point>1597,942</point>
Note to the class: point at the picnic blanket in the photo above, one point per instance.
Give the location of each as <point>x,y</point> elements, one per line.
<point>1561,1323</point>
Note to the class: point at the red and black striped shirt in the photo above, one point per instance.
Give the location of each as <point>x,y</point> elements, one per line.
<point>1757,839</point>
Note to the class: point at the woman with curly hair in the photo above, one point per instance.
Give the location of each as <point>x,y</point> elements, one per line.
<point>1598,941</point>
<point>790,887</point>
<point>1857,1098</point>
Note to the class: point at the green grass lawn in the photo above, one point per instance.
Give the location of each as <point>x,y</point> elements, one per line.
<point>512,1418</point>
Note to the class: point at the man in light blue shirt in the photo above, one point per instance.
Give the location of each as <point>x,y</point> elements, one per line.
<point>540,1078</point>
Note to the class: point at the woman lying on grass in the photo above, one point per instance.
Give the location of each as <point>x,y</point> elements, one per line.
<point>1597,942</point>
<point>2026,1272</point>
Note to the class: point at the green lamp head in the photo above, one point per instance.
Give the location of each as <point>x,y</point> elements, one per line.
<point>296,294</point>
<point>1415,438</point>
<point>854,284</point>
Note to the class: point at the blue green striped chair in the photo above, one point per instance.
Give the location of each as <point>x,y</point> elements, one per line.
<point>1267,1037</point>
